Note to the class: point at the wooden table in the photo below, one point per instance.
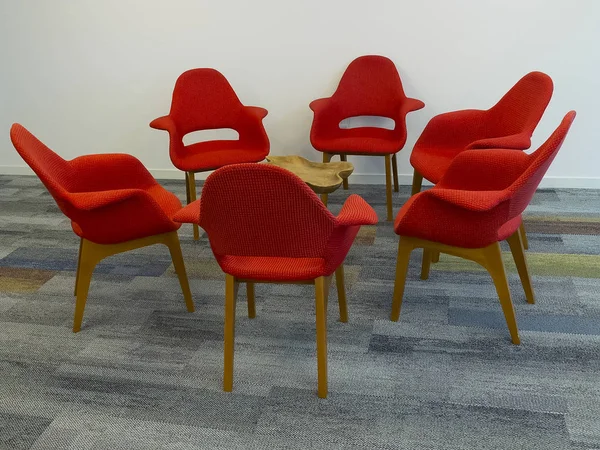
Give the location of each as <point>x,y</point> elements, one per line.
<point>323,178</point>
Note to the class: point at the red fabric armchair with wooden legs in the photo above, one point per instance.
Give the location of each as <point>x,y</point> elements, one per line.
<point>370,86</point>
<point>476,204</point>
<point>266,225</point>
<point>203,99</point>
<point>114,204</point>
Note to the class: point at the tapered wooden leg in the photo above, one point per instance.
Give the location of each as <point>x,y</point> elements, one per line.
<point>88,258</point>
<point>172,241</point>
<point>524,236</point>
<point>229,335</point>
<point>388,188</point>
<point>345,181</point>
<point>492,261</point>
<point>78,264</point>
<point>395,172</point>
<point>425,264</point>
<point>187,188</point>
<point>250,299</point>
<point>321,325</point>
<point>435,256</point>
<point>341,291</point>
<point>404,251</point>
<point>324,198</point>
<point>192,196</point>
<point>326,157</point>
<point>417,182</point>
<point>516,248</point>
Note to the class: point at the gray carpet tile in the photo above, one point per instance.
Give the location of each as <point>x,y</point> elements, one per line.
<point>145,374</point>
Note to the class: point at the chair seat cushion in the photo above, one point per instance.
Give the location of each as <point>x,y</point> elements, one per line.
<point>433,163</point>
<point>272,268</point>
<point>211,155</point>
<point>364,140</point>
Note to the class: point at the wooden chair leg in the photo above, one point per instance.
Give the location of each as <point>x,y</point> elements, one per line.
<point>78,265</point>
<point>89,256</point>
<point>192,196</point>
<point>250,299</point>
<point>524,236</point>
<point>516,248</point>
<point>187,188</point>
<point>388,188</point>
<point>341,292</point>
<point>417,183</point>
<point>425,264</point>
<point>321,325</point>
<point>171,240</point>
<point>231,288</point>
<point>324,198</point>
<point>395,172</point>
<point>435,256</point>
<point>345,181</point>
<point>492,261</point>
<point>404,251</point>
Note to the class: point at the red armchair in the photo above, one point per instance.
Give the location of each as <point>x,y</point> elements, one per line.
<point>203,99</point>
<point>477,203</point>
<point>266,225</point>
<point>114,204</point>
<point>370,86</point>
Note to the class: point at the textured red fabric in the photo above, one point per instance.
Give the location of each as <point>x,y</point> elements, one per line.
<point>203,99</point>
<point>508,124</point>
<point>110,198</point>
<point>265,223</point>
<point>480,198</point>
<point>370,86</point>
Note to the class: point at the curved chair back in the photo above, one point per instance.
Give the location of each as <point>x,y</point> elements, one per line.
<point>263,210</point>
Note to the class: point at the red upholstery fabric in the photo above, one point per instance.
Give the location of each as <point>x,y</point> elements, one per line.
<point>480,198</point>
<point>370,86</point>
<point>203,99</point>
<point>265,223</point>
<point>109,198</point>
<point>508,124</point>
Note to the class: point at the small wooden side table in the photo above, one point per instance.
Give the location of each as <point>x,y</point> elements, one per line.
<point>323,178</point>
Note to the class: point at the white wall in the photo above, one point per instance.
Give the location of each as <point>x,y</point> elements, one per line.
<point>88,75</point>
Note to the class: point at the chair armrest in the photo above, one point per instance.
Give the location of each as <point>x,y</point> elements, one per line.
<point>356,211</point>
<point>519,141</point>
<point>411,104</point>
<point>110,171</point>
<point>188,214</point>
<point>319,104</point>
<point>256,112</point>
<point>484,170</point>
<point>454,129</point>
<point>470,200</point>
<point>88,201</point>
<point>164,123</point>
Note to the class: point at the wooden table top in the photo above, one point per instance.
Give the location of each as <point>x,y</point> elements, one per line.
<point>323,178</point>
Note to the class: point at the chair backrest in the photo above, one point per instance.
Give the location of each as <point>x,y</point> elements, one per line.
<point>522,107</point>
<point>263,210</point>
<point>203,99</point>
<point>524,187</point>
<point>54,172</point>
<point>370,86</point>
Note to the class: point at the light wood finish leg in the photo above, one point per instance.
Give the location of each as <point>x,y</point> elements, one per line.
<point>345,181</point>
<point>492,258</point>
<point>321,325</point>
<point>516,248</point>
<point>524,236</point>
<point>404,250</point>
<point>417,183</point>
<point>192,198</point>
<point>187,188</point>
<point>341,291</point>
<point>395,172</point>
<point>91,254</point>
<point>250,299</point>
<point>388,188</point>
<point>435,257</point>
<point>231,288</point>
<point>172,242</point>
<point>425,264</point>
<point>78,264</point>
<point>324,198</point>
<point>326,159</point>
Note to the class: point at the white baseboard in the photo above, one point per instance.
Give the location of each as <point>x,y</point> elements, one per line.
<point>549,182</point>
